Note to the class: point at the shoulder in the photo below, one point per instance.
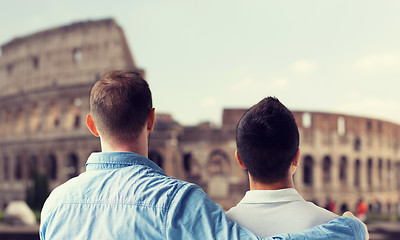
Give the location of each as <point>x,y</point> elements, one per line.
<point>318,213</point>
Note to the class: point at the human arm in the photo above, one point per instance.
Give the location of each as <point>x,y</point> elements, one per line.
<point>193,215</point>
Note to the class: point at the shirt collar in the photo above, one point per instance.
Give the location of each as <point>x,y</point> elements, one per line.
<point>271,196</point>
<point>113,160</point>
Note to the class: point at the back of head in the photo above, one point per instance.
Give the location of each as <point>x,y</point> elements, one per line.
<point>267,140</point>
<point>120,103</point>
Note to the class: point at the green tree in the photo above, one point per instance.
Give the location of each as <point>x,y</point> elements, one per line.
<point>38,192</point>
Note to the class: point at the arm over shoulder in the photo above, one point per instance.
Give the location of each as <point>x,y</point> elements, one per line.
<point>193,215</point>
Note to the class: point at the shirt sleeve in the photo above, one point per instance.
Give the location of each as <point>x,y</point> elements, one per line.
<point>193,215</point>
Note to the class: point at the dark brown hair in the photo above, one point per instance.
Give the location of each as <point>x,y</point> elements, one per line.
<point>120,103</point>
<point>267,140</point>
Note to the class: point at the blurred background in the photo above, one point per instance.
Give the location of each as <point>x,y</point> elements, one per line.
<point>334,64</point>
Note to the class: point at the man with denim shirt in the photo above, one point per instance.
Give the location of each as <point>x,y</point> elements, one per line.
<point>124,195</point>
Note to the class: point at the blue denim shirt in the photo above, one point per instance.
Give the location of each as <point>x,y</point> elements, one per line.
<point>123,195</point>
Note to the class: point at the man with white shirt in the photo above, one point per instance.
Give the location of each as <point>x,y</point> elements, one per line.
<point>267,141</point>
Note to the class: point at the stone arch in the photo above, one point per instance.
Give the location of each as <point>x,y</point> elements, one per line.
<point>52,167</point>
<point>18,168</point>
<point>53,115</point>
<point>389,173</point>
<point>357,172</point>
<point>77,55</point>
<point>326,169</point>
<point>218,163</point>
<point>2,130</point>
<point>343,169</point>
<point>341,126</point>
<point>218,168</point>
<point>73,118</point>
<point>369,172</point>
<point>388,207</point>
<point>156,158</point>
<point>9,123</point>
<point>306,120</point>
<point>380,171</point>
<point>19,121</point>
<point>357,144</point>
<point>398,175</point>
<point>35,118</point>
<point>33,166</point>
<point>72,169</point>
<point>308,173</point>
<point>191,167</point>
<point>6,168</point>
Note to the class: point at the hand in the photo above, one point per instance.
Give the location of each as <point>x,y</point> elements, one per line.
<point>349,214</point>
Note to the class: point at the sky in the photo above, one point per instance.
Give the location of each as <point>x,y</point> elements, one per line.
<point>203,56</point>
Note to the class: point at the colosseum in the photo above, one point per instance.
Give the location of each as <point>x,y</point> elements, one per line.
<point>45,79</point>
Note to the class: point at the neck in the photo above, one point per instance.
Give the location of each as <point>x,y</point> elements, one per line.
<point>139,146</point>
<point>256,185</point>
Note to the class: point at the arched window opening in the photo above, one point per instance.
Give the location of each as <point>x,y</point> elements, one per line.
<point>218,163</point>
<point>343,169</point>
<point>369,125</point>
<point>73,119</point>
<point>18,168</point>
<point>33,166</point>
<point>52,167</point>
<point>53,116</point>
<point>35,118</point>
<point>389,172</point>
<point>308,171</point>
<point>35,62</point>
<point>369,172</point>
<point>191,167</point>
<point>380,169</point>
<point>77,53</point>
<point>357,167</point>
<point>307,120</point>
<point>72,166</point>
<point>218,168</point>
<point>357,144</point>
<point>326,169</point>
<point>157,158</point>
<point>77,121</point>
<point>187,163</point>
<point>398,175</point>
<point>6,168</point>
<point>341,126</point>
<point>20,121</point>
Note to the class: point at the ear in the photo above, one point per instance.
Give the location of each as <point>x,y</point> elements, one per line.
<point>296,158</point>
<point>91,126</point>
<point>239,160</point>
<point>151,119</point>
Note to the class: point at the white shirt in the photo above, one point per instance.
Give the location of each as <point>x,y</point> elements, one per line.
<point>270,212</point>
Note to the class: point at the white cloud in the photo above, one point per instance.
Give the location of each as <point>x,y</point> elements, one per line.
<point>304,67</point>
<point>378,62</point>
<point>208,102</point>
<point>357,104</point>
<point>246,84</point>
<point>250,85</point>
<point>278,83</point>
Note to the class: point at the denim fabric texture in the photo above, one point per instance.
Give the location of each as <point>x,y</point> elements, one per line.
<point>123,195</point>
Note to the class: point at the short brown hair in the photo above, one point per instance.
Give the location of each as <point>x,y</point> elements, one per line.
<point>120,103</point>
